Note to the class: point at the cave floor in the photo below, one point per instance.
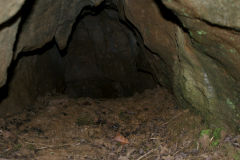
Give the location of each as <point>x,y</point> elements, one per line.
<point>61,128</point>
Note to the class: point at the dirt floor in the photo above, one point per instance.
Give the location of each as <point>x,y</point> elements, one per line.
<point>147,126</point>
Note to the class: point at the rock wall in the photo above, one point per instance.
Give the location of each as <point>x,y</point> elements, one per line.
<point>158,34</point>
<point>8,30</point>
<point>201,50</point>
<point>29,77</point>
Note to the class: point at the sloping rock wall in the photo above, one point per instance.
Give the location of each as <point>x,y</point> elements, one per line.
<point>158,35</point>
<point>201,52</point>
<point>210,48</point>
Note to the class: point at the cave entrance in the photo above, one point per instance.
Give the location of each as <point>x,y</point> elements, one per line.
<point>97,99</point>
<point>103,59</point>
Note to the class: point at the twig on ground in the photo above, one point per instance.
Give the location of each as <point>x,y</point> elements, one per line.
<point>146,154</point>
<point>51,146</point>
<point>179,114</point>
<point>181,149</point>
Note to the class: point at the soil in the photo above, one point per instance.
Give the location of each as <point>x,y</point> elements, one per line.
<point>63,128</point>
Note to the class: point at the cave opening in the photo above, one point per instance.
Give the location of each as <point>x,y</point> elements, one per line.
<point>103,59</point>
<point>101,86</point>
<point>102,78</point>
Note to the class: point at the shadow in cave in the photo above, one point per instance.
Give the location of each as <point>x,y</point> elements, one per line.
<point>169,15</point>
<point>106,52</point>
<point>4,91</point>
<point>86,11</point>
<point>108,83</point>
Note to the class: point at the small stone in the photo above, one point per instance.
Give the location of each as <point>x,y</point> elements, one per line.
<point>141,151</point>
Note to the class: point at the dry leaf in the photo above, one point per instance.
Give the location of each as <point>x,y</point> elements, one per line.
<point>121,139</point>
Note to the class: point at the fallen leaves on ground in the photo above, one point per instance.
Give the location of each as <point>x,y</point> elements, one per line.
<point>146,126</point>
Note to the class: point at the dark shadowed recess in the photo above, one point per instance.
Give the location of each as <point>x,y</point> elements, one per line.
<point>4,91</point>
<point>109,51</point>
<point>170,15</point>
<point>100,61</point>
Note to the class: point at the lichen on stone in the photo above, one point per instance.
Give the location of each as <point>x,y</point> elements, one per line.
<point>230,103</point>
<point>201,32</point>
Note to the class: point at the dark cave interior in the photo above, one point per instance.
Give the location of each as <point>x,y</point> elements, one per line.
<point>105,58</point>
